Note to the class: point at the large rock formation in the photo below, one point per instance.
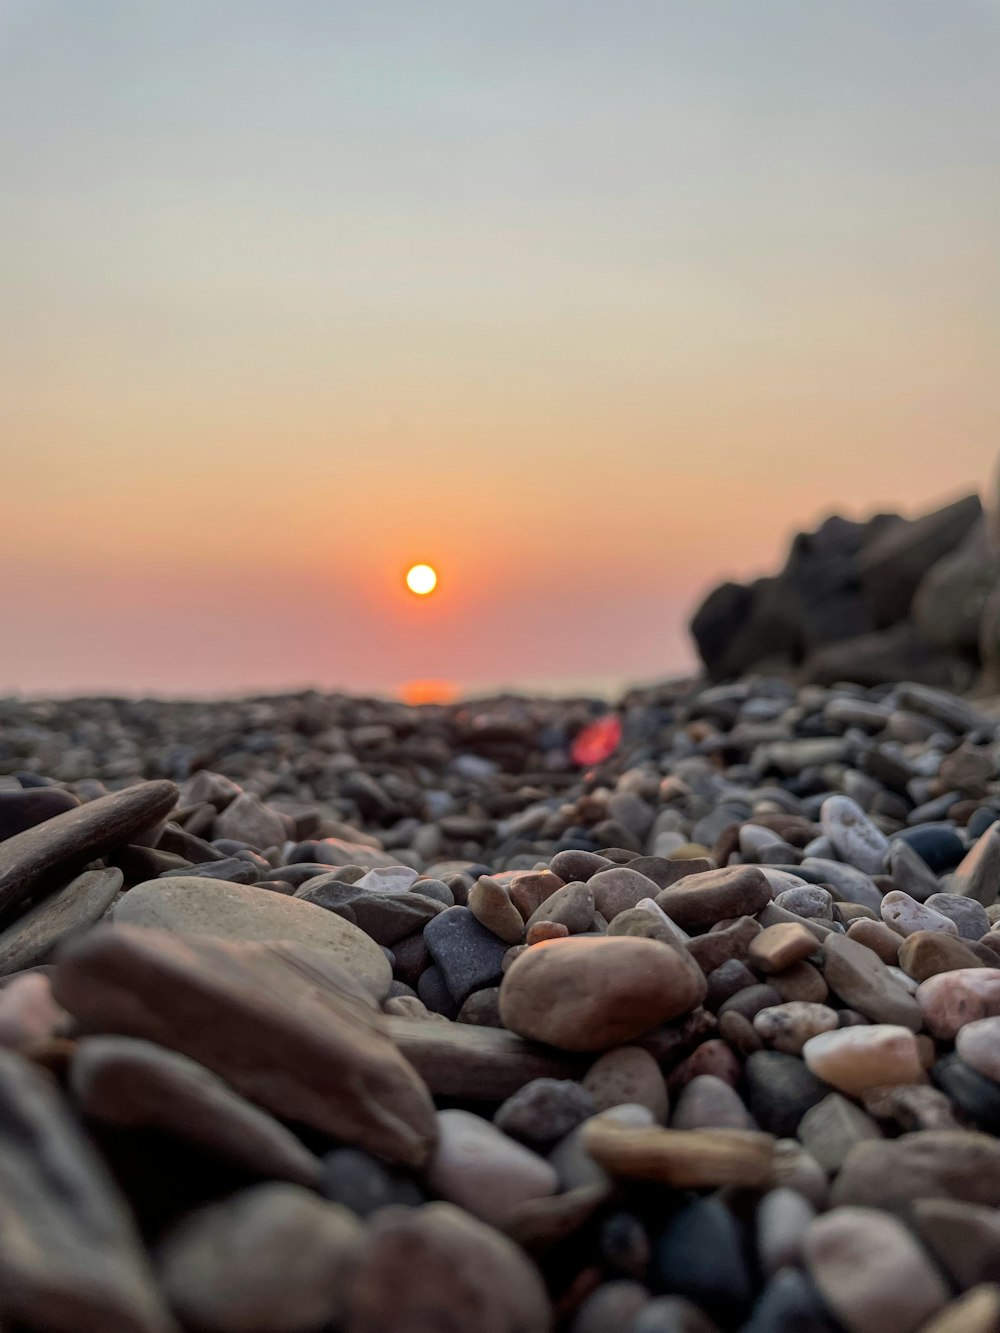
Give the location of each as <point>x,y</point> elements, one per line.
<point>881,600</point>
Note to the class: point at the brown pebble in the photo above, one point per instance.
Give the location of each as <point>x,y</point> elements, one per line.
<point>681,1159</point>
<point>878,937</point>
<point>739,1034</point>
<point>711,1057</point>
<point>628,1074</point>
<point>801,982</point>
<point>718,946</point>
<point>545,930</point>
<point>780,947</point>
<point>927,953</point>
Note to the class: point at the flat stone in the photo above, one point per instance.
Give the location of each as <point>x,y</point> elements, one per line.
<point>490,904</point>
<point>952,999</point>
<point>680,1159</point>
<point>483,1170</point>
<point>978,1043</point>
<point>438,1268</point>
<point>787,1027</point>
<point>384,917</point>
<point>28,859</point>
<point>571,906</point>
<point>855,838</point>
<point>862,980</point>
<point>20,810</point>
<point>469,955</point>
<point>280,1023</point>
<point>71,1259</point>
<point>871,1272</point>
<point>619,888</point>
<point>588,994</point>
<point>978,874</point>
<point>74,908</point>
<point>715,895</point>
<point>627,1074</point>
<point>781,946</point>
<point>134,1084</point>
<point>546,1109</point>
<point>475,1063</point>
<point>855,1058</point>
<point>927,1164</point>
<point>830,1129</point>
<point>273,1258</point>
<point>243,912</point>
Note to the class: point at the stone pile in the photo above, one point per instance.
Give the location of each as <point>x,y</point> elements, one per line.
<point>322,1015</point>
<point>889,599</point>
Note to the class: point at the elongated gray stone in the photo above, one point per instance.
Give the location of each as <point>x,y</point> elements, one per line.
<point>70,1258</point>
<point>127,1082</point>
<point>77,836</point>
<point>80,904</point>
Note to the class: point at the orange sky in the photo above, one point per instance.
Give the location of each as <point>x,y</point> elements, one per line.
<point>587,316</point>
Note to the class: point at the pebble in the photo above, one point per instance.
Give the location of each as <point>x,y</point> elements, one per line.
<point>863,982</point>
<point>483,1170</point>
<point>491,906</point>
<point>978,1043</point>
<point>854,837</point>
<point>270,1259</point>
<point>33,937</point>
<point>964,1238</point>
<point>715,895</point>
<point>855,1058</point>
<point>787,1027</point>
<point>978,874</point>
<point>469,955</point>
<point>926,1164</point>
<point>976,1096</point>
<point>952,999</point>
<point>930,952</point>
<point>700,1255</point>
<point>968,915</point>
<point>627,1074</point>
<point>591,994</point>
<point>547,1109</point>
<point>883,940</point>
<point>363,1184</point>
<point>571,906</point>
<point>384,917</point>
<point>831,1128</point>
<point>783,1218</point>
<point>780,1089</point>
<point>905,915</point>
<point>708,1102</point>
<point>871,1272</point>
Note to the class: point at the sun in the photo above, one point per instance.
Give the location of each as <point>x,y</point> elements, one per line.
<point>421,579</point>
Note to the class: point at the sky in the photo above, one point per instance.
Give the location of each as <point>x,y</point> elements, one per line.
<point>587,304</point>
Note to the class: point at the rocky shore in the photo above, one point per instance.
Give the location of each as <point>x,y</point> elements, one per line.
<point>331,1015</point>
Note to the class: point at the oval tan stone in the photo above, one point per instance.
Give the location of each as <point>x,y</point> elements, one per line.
<point>592,994</point>
<point>194,905</point>
<point>855,1058</point>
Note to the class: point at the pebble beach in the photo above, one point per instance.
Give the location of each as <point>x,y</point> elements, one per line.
<point>322,1014</point>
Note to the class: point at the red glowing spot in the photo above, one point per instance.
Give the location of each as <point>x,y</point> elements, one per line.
<point>597,742</point>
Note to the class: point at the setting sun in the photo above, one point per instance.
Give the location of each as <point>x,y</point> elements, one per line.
<point>421,579</point>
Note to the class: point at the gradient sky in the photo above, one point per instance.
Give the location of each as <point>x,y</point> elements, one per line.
<point>586,304</point>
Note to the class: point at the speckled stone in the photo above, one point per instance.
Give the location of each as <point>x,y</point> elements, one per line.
<point>546,1109</point>
<point>469,956</point>
<point>787,1027</point>
<point>627,1074</point>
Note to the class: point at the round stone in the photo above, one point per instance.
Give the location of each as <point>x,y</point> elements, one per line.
<point>855,1058</point>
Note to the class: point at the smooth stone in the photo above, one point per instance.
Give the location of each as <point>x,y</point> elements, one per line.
<point>469,955</point>
<point>855,1058</point>
<point>384,917</point>
<point>71,1259</point>
<point>787,1027</point>
<point>779,1091</point>
<point>238,912</point>
<point>855,838</point>
<point>715,895</point>
<point>871,1272</point>
<point>483,1170</point>
<point>877,936</point>
<point>627,1074</point>
<point>282,1024</point>
<point>529,889</point>
<point>862,981</point>
<point>931,952</point>
<point>905,915</point>
<point>708,1102</point>
<point>24,809</point>
<point>570,865</point>
<point>475,1063</point>
<point>795,1169</point>
<point>613,1305</point>
<point>801,982</point>
<point>978,874</point>
<point>727,981</point>
<point>976,1096</point>
<point>938,846</point>
<point>849,883</point>
<point>718,946</point>
<point>247,819</point>
<point>963,1237</point>
<point>72,909</point>
<point>808,901</point>
<point>977,1311</point>
<point>783,1217</point>
<point>910,871</point>
<point>437,1268</point>
<point>781,946</point>
<point>830,1129</point>
<point>968,915</point>
<point>387,879</point>
<point>671,1314</point>
<point>79,835</point>
<point>544,1110</point>
<point>490,904</point>
<point>273,1258</point>
<point>926,1164</point>
<point>790,1303</point>
<point>951,999</point>
<point>619,888</point>
<point>363,1184</point>
<point>134,1084</point>
<point>571,906</point>
<point>482,1008</point>
<point>587,994</point>
<point>978,1043</point>
<point>572,1159</point>
<point>230,868</point>
<point>28,1012</point>
<point>700,1254</point>
<point>433,992</point>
